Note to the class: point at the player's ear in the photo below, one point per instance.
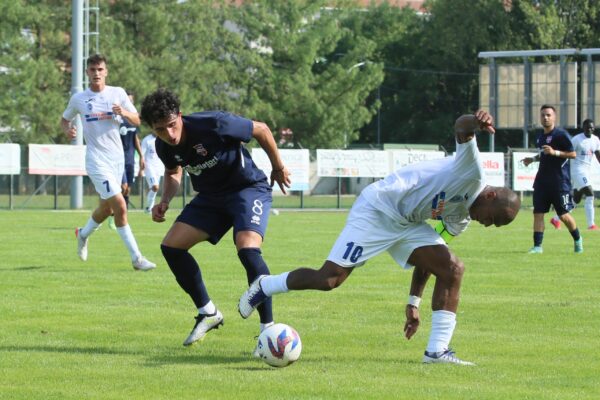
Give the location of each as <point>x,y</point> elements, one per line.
<point>491,195</point>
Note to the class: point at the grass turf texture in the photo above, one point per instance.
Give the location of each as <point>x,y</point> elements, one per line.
<point>99,330</point>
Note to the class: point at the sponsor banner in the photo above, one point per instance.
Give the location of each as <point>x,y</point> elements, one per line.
<point>523,176</point>
<point>493,167</point>
<point>56,159</point>
<point>353,163</point>
<point>296,161</point>
<point>402,158</point>
<point>10,159</point>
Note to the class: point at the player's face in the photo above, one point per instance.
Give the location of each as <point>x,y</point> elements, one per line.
<point>488,214</point>
<point>588,129</point>
<point>169,130</point>
<point>547,118</point>
<point>97,74</point>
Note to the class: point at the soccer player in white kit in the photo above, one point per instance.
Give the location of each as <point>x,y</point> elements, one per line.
<point>153,170</point>
<point>390,215</point>
<point>586,145</point>
<point>101,108</point>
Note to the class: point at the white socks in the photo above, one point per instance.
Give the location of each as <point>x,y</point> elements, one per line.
<point>589,210</point>
<point>442,328</point>
<point>90,227</point>
<point>265,326</point>
<point>151,198</point>
<point>129,240</point>
<point>208,308</point>
<point>273,284</point>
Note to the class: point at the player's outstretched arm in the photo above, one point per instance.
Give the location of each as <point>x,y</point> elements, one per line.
<point>279,173</point>
<point>171,182</point>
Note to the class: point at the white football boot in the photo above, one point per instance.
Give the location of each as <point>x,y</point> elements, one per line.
<point>204,323</point>
<point>142,264</point>
<point>252,298</point>
<point>82,250</point>
<point>444,357</point>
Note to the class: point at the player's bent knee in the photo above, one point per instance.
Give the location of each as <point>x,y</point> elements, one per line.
<point>333,276</point>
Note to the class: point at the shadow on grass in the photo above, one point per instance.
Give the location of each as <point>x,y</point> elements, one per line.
<point>151,361</point>
<point>31,268</point>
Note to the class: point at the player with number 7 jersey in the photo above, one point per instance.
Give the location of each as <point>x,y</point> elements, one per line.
<point>391,215</point>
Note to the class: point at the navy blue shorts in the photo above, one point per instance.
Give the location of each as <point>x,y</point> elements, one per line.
<point>545,196</point>
<point>128,174</point>
<point>246,210</point>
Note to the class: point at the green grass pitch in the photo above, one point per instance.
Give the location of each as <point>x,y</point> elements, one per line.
<point>100,330</point>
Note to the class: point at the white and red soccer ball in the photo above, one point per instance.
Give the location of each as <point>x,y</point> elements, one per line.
<point>279,345</point>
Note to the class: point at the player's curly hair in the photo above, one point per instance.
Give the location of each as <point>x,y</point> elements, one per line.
<point>159,105</point>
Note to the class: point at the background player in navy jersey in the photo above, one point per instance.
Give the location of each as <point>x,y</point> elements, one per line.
<point>232,192</point>
<point>552,184</point>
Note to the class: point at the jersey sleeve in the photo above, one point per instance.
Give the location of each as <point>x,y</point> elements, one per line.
<point>71,111</point>
<point>125,102</point>
<point>456,228</point>
<point>565,143</point>
<point>235,127</point>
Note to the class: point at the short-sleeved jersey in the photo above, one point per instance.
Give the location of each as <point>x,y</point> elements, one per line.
<point>213,154</point>
<point>128,133</point>
<point>100,124</point>
<point>441,189</point>
<point>150,157</point>
<point>585,147</point>
<point>554,171</point>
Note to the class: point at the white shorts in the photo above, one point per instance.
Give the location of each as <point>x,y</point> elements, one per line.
<point>152,177</point>
<point>369,232</point>
<point>580,180</point>
<point>106,178</point>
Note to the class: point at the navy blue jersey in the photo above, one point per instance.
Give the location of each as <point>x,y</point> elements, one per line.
<point>212,153</point>
<point>554,171</point>
<point>128,134</point>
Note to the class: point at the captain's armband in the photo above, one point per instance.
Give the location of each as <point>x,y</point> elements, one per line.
<point>440,228</point>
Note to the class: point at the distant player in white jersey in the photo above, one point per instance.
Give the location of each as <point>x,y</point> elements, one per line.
<point>390,215</point>
<point>102,109</point>
<point>586,145</point>
<point>154,169</point>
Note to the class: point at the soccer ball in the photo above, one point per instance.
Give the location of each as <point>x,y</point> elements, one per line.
<point>279,345</point>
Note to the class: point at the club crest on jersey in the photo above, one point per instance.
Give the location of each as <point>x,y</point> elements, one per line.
<point>201,150</point>
<point>437,205</point>
<point>548,139</point>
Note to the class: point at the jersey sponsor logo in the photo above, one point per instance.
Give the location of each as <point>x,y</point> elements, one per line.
<point>201,150</point>
<point>197,169</point>
<point>457,199</point>
<point>101,116</point>
<point>437,205</point>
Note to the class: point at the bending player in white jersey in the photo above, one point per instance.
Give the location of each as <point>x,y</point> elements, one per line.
<point>153,170</point>
<point>390,215</point>
<point>586,145</point>
<point>102,108</point>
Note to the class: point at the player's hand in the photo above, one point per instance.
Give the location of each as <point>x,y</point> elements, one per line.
<point>527,160</point>
<point>72,132</point>
<point>282,177</point>
<point>547,150</point>
<point>412,321</point>
<point>117,109</point>
<point>159,211</point>
<point>486,121</point>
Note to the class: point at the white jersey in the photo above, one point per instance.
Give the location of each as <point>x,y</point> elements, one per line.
<point>585,148</point>
<point>437,189</point>
<point>154,165</point>
<point>100,124</point>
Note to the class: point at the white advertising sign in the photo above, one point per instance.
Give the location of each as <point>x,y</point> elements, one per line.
<point>401,158</point>
<point>353,163</point>
<point>523,176</point>
<point>10,159</point>
<point>56,159</point>
<point>493,167</point>
<point>296,161</point>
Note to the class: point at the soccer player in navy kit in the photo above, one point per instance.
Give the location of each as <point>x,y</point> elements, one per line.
<point>232,192</point>
<point>552,184</point>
